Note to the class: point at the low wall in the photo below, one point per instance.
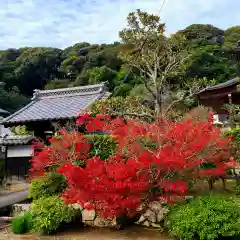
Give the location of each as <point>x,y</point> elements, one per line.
<point>153,217</point>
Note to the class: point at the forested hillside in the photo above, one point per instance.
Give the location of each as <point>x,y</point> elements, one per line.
<point>23,70</point>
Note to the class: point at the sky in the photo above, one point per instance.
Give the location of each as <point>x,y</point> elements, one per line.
<point>62,23</point>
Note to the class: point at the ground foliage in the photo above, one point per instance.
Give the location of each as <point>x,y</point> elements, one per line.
<point>205,218</point>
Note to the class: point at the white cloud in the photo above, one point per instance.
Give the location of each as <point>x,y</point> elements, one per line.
<point>61,23</point>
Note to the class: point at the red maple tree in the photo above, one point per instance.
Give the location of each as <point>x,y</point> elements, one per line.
<point>152,162</point>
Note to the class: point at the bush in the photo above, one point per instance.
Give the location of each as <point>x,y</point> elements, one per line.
<point>49,213</point>
<point>48,185</point>
<point>206,218</point>
<point>235,134</point>
<point>102,145</point>
<point>22,224</point>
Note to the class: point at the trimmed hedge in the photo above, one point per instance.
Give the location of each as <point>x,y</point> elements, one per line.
<point>22,224</point>
<point>48,185</point>
<point>49,213</point>
<point>205,218</point>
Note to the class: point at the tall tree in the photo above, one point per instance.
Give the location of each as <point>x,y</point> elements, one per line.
<point>154,55</point>
<point>11,100</point>
<point>37,66</point>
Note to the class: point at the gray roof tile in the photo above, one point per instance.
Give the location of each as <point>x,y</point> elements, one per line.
<point>57,104</point>
<point>220,85</point>
<point>16,140</point>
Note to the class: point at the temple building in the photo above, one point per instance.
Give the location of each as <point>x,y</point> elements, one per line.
<point>47,109</point>
<point>51,107</point>
<point>215,97</point>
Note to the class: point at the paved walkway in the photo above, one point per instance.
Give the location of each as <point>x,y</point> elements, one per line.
<point>12,198</point>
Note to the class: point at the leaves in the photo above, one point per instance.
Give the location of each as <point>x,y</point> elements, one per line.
<point>207,217</point>
<point>49,213</point>
<point>167,156</point>
<point>210,51</point>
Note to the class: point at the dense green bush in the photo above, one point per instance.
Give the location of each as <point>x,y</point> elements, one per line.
<point>102,145</point>
<point>48,185</point>
<point>49,213</point>
<point>22,224</point>
<point>235,134</point>
<point>206,218</point>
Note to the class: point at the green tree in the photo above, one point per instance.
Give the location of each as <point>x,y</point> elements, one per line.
<point>101,74</point>
<point>36,67</point>
<point>212,52</point>
<point>154,55</point>
<point>7,67</point>
<point>72,66</point>
<point>57,83</point>
<point>75,50</point>
<point>128,107</point>
<point>12,100</point>
<point>231,37</point>
<point>202,34</point>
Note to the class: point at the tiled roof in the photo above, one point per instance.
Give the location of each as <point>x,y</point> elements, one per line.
<point>65,103</point>
<point>220,85</point>
<point>16,140</point>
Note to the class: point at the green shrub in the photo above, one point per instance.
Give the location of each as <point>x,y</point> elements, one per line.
<point>48,185</point>
<point>205,218</point>
<point>235,134</point>
<point>235,144</point>
<point>49,213</point>
<point>237,188</point>
<point>102,145</point>
<point>22,224</point>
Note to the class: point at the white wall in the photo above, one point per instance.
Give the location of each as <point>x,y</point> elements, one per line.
<point>4,131</point>
<point>20,151</point>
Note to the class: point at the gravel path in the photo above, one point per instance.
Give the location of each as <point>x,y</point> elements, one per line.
<point>94,234</point>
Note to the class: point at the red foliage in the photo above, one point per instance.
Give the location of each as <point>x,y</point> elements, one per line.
<point>152,162</point>
<point>67,147</point>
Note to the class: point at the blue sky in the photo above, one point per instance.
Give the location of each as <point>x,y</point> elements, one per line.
<point>61,23</point>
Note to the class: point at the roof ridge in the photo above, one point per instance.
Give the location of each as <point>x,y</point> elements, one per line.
<point>60,104</point>
<point>18,136</point>
<point>227,83</point>
<point>38,93</point>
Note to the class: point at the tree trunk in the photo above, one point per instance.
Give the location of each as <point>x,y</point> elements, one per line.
<point>159,105</point>
<point>210,184</point>
<point>223,183</point>
<point>158,110</point>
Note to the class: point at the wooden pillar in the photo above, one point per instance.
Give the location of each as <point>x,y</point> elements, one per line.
<point>6,163</point>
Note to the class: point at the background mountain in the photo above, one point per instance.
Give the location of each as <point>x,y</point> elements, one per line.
<point>23,70</point>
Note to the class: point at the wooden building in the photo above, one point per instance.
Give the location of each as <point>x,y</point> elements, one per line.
<point>215,97</point>
<point>51,107</point>
<point>47,108</point>
<point>3,131</point>
<point>18,151</point>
